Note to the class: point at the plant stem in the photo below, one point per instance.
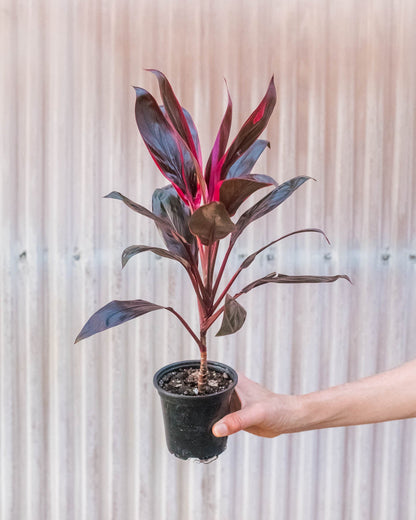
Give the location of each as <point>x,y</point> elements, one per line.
<point>203,368</point>
<point>207,324</point>
<point>201,345</point>
<point>227,288</point>
<point>212,256</point>
<point>221,271</point>
<point>198,285</point>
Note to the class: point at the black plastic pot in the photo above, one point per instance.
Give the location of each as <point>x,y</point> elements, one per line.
<point>189,418</point>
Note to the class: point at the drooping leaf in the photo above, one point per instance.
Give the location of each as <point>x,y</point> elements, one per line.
<point>176,114</point>
<point>233,192</point>
<point>167,205</point>
<point>211,222</point>
<point>245,163</point>
<point>213,167</point>
<point>139,209</point>
<point>166,146</point>
<point>251,129</point>
<point>248,261</point>
<point>282,278</point>
<point>131,251</point>
<point>115,313</point>
<point>176,240</point>
<point>233,317</point>
<point>267,204</point>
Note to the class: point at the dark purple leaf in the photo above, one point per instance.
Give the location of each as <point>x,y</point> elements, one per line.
<point>248,261</point>
<point>177,115</point>
<point>167,205</point>
<point>166,146</point>
<point>251,129</point>
<point>233,192</point>
<point>211,222</point>
<point>267,204</point>
<point>194,133</point>
<point>233,317</point>
<point>177,243</point>
<point>139,209</point>
<point>115,313</point>
<point>282,278</point>
<point>134,250</point>
<point>213,167</point>
<point>245,163</point>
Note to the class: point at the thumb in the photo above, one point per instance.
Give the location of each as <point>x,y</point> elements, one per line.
<point>237,421</point>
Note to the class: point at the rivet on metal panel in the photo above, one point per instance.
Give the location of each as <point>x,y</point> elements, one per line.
<point>327,256</point>
<point>77,255</point>
<point>385,257</point>
<point>412,257</point>
<point>270,257</point>
<point>22,255</point>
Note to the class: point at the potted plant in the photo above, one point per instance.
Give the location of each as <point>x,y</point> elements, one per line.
<point>193,213</point>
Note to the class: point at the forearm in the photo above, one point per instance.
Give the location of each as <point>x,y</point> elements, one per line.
<point>383,397</point>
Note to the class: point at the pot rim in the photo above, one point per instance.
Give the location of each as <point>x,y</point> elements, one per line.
<point>190,363</point>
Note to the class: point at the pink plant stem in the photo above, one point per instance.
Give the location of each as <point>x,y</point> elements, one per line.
<point>227,288</point>
<point>221,271</point>
<point>213,317</point>
<point>203,256</point>
<point>212,254</point>
<point>203,368</point>
<point>210,320</point>
<point>199,283</point>
<point>188,328</point>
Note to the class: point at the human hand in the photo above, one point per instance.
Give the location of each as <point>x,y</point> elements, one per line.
<point>259,411</point>
<point>387,396</point>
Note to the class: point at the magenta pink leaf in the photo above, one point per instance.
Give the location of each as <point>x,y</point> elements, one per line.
<point>251,129</point>
<point>177,115</point>
<point>166,146</point>
<point>213,167</point>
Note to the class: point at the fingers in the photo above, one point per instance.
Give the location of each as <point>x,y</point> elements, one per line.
<point>237,421</point>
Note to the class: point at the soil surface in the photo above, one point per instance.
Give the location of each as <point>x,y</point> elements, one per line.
<point>184,381</point>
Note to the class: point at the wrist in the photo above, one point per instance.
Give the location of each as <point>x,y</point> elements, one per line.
<point>314,411</point>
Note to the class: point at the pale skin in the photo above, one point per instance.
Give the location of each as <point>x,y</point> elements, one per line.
<point>386,396</point>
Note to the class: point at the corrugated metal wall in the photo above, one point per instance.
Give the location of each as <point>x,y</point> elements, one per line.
<point>81,432</point>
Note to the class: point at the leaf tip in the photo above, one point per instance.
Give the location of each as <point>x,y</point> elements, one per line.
<point>140,91</point>
<point>156,72</point>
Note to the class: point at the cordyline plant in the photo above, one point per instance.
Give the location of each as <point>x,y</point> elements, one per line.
<point>194,212</point>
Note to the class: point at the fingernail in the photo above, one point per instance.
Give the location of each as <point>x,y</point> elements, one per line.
<point>220,430</point>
